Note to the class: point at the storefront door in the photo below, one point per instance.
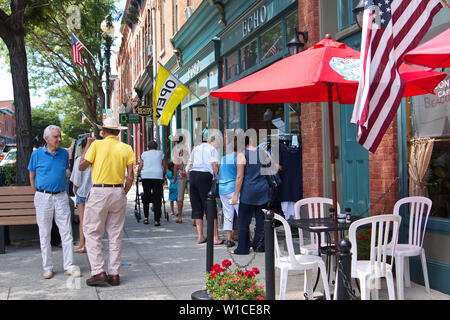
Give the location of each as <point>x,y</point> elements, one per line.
<point>355,167</point>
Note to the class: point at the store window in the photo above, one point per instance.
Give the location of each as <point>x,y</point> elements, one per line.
<point>291,22</point>
<point>249,56</point>
<point>203,85</point>
<point>231,65</point>
<point>233,114</point>
<point>213,79</point>
<point>185,119</point>
<point>430,131</point>
<point>214,112</point>
<point>345,15</point>
<point>272,41</point>
<point>294,118</point>
<point>193,89</point>
<point>199,118</point>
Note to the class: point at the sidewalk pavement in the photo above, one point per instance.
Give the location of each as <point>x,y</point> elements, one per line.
<point>158,263</point>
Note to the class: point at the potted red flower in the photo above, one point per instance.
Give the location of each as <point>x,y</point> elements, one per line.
<point>224,284</point>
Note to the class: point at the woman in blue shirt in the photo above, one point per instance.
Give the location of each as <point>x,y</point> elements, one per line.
<point>227,184</point>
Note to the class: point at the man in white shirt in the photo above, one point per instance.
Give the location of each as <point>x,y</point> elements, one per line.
<point>204,161</point>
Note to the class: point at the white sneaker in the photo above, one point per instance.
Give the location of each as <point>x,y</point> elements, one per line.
<point>73,271</point>
<point>48,274</point>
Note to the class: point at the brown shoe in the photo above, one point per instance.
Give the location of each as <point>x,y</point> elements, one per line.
<point>100,279</point>
<point>114,279</point>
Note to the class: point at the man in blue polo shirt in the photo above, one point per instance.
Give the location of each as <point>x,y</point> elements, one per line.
<point>47,168</point>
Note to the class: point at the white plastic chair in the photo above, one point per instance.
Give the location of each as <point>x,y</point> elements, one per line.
<point>297,262</point>
<point>418,218</point>
<point>370,271</point>
<point>316,209</point>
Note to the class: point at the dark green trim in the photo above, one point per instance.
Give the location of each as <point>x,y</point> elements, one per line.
<point>437,274</point>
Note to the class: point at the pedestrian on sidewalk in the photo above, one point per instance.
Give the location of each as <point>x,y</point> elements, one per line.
<point>204,161</point>
<point>173,189</point>
<point>47,168</point>
<point>82,184</point>
<point>227,185</point>
<point>180,156</point>
<point>152,169</point>
<point>106,202</point>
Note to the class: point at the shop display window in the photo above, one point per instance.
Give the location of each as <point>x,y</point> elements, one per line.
<point>438,178</point>
<point>272,41</point>
<point>231,65</point>
<point>291,22</point>
<point>214,112</point>
<point>203,85</point>
<point>430,139</point>
<point>249,56</point>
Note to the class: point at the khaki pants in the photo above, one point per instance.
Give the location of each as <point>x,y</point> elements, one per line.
<point>105,210</point>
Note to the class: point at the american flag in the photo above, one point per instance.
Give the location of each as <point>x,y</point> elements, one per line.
<point>83,118</point>
<point>77,46</point>
<point>390,29</point>
<point>274,49</point>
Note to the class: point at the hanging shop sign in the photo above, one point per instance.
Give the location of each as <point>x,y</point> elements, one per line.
<point>126,118</point>
<point>144,111</point>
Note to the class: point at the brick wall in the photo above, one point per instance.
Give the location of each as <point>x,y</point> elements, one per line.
<point>383,173</point>
<point>311,113</point>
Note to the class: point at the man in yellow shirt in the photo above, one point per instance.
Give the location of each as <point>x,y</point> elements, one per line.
<point>106,202</point>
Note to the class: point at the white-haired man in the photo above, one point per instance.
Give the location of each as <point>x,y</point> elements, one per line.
<point>47,168</point>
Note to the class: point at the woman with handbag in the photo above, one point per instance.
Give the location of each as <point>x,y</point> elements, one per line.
<point>252,190</point>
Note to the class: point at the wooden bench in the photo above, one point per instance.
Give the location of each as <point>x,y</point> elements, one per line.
<point>16,208</point>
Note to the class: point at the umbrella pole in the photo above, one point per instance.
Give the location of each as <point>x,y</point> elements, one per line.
<point>332,155</point>
<point>333,163</point>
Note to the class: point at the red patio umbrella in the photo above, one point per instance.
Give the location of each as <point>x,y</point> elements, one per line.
<point>326,72</point>
<point>434,53</point>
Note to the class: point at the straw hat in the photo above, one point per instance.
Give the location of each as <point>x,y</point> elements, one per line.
<point>111,123</point>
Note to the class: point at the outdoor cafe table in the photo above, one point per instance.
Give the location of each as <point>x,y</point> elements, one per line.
<point>326,225</point>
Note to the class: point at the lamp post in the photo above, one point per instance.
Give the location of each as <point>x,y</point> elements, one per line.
<point>108,35</point>
<point>358,13</point>
<point>295,46</point>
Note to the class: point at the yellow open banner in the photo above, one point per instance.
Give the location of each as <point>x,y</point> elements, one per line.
<point>167,95</point>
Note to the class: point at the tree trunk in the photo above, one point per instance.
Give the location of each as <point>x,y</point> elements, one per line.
<point>22,106</point>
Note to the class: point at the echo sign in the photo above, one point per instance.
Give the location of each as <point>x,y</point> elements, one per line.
<point>167,89</point>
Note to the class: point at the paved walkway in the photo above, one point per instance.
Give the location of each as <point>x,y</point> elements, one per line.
<point>162,263</point>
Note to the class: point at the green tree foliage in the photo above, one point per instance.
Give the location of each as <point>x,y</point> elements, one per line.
<point>50,50</point>
<point>42,117</point>
<point>69,105</point>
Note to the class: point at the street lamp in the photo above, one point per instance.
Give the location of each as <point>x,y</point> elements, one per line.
<point>358,13</point>
<point>108,35</point>
<point>295,46</point>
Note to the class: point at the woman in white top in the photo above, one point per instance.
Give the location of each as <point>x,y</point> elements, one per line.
<point>152,170</point>
<point>82,184</point>
<point>204,170</point>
